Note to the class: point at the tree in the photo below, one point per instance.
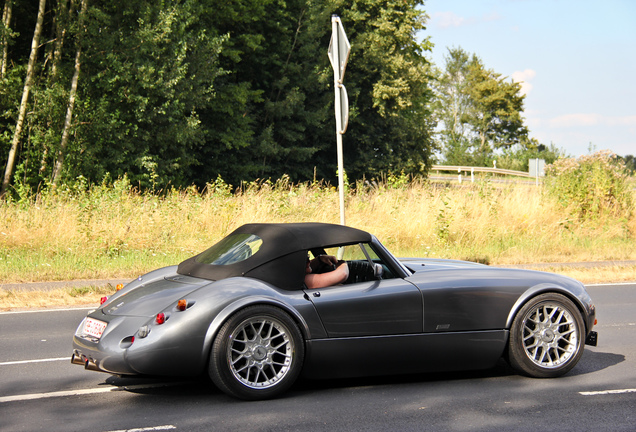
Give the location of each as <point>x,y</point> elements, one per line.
<point>273,111</point>
<point>57,171</point>
<point>387,79</point>
<point>479,110</point>
<point>5,33</point>
<point>180,92</point>
<point>23,104</point>
<point>150,67</point>
<point>517,157</point>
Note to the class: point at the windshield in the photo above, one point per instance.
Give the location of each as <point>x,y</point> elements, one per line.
<point>232,249</point>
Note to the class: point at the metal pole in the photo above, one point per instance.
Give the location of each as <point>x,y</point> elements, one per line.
<point>337,83</point>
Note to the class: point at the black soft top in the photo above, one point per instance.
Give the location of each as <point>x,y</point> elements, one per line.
<point>281,258</point>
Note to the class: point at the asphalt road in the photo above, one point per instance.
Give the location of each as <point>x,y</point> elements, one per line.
<point>41,390</point>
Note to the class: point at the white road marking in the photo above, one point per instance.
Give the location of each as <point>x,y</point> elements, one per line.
<point>34,396</point>
<point>154,428</point>
<point>47,310</point>
<point>607,392</point>
<point>609,284</point>
<point>617,325</point>
<point>68,359</point>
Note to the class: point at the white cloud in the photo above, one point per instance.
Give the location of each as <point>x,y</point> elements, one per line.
<point>448,19</point>
<point>524,78</point>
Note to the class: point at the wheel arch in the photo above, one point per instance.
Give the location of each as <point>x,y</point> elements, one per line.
<point>544,289</point>
<point>232,308</point>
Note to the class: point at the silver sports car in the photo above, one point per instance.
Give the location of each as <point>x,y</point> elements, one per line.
<point>242,312</point>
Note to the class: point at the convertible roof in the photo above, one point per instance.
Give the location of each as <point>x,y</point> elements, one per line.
<point>282,256</point>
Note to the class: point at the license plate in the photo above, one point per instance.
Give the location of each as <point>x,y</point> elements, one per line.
<point>94,327</point>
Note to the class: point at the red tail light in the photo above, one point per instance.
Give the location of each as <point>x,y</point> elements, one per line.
<point>161,318</point>
<point>103,300</point>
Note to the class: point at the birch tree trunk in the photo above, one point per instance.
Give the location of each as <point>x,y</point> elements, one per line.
<point>57,170</point>
<point>23,103</point>
<point>6,21</point>
<point>61,23</point>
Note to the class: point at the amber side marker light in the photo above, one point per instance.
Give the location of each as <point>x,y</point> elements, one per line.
<point>119,287</point>
<point>182,304</point>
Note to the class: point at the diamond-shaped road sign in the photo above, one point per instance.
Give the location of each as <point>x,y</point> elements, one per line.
<point>339,48</point>
<point>339,54</point>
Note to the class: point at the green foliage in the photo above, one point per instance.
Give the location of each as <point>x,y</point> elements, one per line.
<point>152,68</point>
<point>630,163</point>
<point>479,110</point>
<point>387,81</point>
<point>517,156</point>
<point>591,186</point>
<point>443,220</point>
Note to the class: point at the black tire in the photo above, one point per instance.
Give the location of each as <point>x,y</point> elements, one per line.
<point>257,354</point>
<point>547,337</point>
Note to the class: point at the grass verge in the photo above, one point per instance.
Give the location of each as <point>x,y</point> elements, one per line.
<point>89,296</point>
<point>116,232</point>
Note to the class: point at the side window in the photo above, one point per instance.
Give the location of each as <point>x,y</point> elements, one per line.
<point>357,257</point>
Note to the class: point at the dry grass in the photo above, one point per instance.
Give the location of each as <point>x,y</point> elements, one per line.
<point>610,274</point>
<point>90,296</point>
<point>59,297</point>
<point>118,233</point>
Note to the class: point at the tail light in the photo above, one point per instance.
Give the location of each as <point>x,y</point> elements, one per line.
<point>182,304</point>
<point>103,300</point>
<point>119,287</point>
<point>160,318</point>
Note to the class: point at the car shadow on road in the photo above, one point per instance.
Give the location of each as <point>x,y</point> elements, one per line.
<point>202,387</point>
<point>594,361</point>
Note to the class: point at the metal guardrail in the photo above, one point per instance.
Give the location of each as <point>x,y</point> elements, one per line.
<point>460,169</point>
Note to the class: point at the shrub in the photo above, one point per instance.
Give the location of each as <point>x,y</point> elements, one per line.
<point>591,186</point>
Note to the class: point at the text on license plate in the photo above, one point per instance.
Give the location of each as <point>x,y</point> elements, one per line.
<point>94,327</point>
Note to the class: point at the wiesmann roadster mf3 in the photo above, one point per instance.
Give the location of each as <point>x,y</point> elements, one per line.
<point>242,313</point>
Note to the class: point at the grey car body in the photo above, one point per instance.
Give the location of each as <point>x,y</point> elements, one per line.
<point>247,319</point>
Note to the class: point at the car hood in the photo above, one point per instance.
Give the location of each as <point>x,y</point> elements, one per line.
<point>424,264</point>
<point>149,296</point>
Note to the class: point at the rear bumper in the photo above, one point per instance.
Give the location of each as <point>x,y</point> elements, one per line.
<point>108,353</point>
<point>102,359</point>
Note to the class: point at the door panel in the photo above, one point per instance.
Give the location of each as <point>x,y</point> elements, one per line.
<point>381,307</point>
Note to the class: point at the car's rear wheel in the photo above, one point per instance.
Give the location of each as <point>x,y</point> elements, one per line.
<point>546,338</point>
<point>257,354</point>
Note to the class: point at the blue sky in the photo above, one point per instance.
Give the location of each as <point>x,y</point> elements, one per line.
<point>577,59</point>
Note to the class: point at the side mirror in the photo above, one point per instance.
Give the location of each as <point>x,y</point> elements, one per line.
<point>378,271</point>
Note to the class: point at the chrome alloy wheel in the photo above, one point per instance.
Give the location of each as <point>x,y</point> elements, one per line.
<point>260,352</point>
<point>550,335</point>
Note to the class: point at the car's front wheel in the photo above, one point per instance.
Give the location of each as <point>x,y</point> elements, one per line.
<point>257,354</point>
<point>547,336</point>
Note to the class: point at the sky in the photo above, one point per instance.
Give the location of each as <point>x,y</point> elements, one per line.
<point>576,59</point>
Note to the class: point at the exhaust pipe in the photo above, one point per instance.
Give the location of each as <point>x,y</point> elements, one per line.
<point>77,360</point>
<point>84,361</point>
<point>91,366</point>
